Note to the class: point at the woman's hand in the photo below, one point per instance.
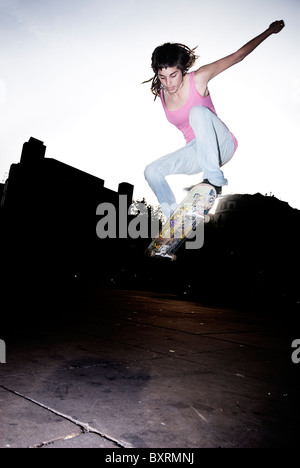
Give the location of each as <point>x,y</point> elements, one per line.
<point>276,27</point>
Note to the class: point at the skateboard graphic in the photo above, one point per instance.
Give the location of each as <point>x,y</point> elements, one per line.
<point>185,218</point>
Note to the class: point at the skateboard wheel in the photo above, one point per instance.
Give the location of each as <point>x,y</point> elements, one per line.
<point>206,218</point>
<point>174,257</point>
<point>152,254</point>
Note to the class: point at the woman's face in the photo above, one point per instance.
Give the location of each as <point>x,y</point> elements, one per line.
<point>170,78</point>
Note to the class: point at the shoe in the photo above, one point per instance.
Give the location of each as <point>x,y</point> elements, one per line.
<point>206,181</point>
<point>217,188</point>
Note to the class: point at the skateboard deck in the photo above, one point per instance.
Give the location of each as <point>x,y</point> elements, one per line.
<point>193,210</point>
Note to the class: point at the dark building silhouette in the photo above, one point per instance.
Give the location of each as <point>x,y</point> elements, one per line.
<point>37,179</point>
<point>257,206</point>
<point>48,224</point>
<point>251,252</point>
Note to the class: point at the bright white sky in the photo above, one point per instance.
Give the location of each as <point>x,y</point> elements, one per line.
<point>71,73</point>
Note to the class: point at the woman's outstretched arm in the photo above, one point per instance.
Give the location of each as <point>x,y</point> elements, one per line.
<point>205,73</point>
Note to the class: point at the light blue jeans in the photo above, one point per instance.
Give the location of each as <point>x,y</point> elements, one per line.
<point>212,147</point>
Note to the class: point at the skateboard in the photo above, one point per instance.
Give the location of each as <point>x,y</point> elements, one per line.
<point>185,218</point>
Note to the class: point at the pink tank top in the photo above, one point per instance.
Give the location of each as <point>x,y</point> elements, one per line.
<point>180,117</point>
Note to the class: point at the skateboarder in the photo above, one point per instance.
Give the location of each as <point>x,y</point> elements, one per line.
<point>187,103</point>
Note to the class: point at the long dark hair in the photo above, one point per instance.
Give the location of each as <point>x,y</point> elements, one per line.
<point>170,55</point>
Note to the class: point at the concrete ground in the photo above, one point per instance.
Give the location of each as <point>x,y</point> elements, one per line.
<point>140,369</point>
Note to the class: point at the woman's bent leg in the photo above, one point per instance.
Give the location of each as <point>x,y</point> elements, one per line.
<point>214,143</point>
<point>179,162</point>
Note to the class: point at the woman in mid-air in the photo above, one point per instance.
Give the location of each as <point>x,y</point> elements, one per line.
<point>188,105</point>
